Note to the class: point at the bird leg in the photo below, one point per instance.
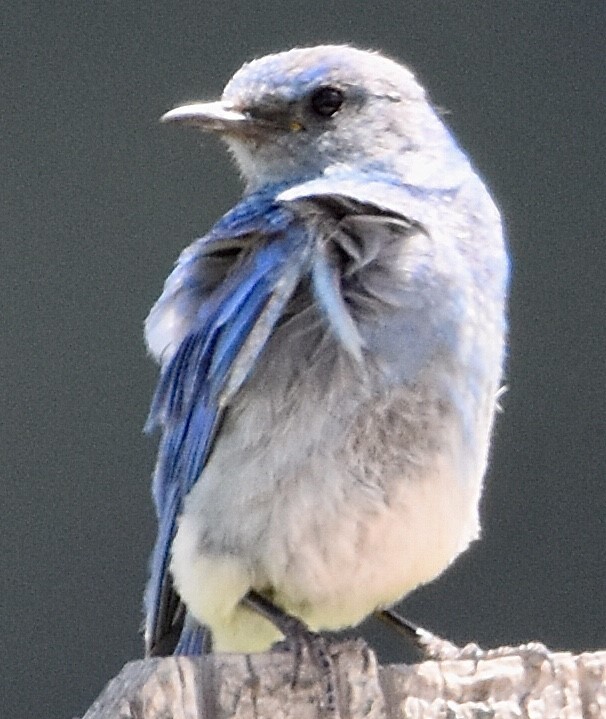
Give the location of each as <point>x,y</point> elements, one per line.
<point>430,645</point>
<point>298,637</point>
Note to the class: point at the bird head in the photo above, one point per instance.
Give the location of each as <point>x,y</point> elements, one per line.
<point>290,116</point>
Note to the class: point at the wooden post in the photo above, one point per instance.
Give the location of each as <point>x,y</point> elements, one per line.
<point>506,683</point>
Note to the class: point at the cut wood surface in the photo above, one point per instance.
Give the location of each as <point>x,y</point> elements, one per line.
<point>527,681</point>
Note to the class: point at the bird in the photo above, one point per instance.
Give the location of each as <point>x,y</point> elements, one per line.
<point>330,355</point>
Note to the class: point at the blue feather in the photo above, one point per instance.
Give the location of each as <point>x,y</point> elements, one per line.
<point>230,331</point>
<point>191,641</point>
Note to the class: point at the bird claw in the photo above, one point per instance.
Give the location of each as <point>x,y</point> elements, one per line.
<point>303,642</point>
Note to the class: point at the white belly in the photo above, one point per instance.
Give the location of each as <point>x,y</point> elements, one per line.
<point>331,527</point>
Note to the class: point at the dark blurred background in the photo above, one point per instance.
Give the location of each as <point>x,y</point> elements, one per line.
<point>97,201</point>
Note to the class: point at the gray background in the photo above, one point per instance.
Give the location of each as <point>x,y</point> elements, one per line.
<point>97,201</point>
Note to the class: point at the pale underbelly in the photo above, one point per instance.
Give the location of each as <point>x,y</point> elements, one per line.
<point>328,557</point>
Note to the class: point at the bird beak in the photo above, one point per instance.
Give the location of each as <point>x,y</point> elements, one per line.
<point>209,116</point>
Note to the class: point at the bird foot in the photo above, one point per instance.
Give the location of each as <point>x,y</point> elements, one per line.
<point>300,641</point>
<point>307,644</point>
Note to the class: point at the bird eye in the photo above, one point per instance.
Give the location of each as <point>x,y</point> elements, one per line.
<point>326,101</point>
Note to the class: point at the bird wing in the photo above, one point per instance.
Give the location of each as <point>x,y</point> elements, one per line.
<point>213,360</point>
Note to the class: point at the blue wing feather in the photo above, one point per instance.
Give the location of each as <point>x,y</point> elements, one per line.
<point>212,362</point>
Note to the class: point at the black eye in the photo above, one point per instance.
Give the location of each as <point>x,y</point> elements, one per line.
<point>326,101</point>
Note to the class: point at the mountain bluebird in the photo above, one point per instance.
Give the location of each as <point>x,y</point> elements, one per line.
<point>330,352</point>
